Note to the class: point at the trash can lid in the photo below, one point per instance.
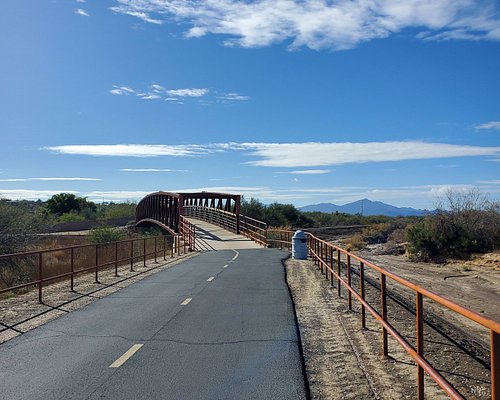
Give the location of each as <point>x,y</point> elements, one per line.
<point>299,235</point>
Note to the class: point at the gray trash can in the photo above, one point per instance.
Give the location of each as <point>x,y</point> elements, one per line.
<point>299,245</point>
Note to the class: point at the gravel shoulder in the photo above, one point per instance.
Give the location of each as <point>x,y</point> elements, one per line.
<point>344,361</point>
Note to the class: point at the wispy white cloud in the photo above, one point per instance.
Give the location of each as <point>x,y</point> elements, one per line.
<point>323,154</point>
<point>131,150</point>
<point>152,170</point>
<point>232,97</point>
<point>121,90</point>
<point>317,24</point>
<point>26,194</point>
<point>293,155</point>
<point>193,92</point>
<point>48,179</point>
<point>311,172</point>
<point>489,125</point>
<point>82,12</point>
<point>149,96</point>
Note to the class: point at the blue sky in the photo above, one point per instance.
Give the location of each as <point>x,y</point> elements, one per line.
<point>285,100</point>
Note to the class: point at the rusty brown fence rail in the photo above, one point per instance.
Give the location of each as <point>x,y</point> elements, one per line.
<point>162,245</point>
<point>253,229</point>
<point>279,238</point>
<point>328,258</point>
<point>188,233</point>
<point>224,219</point>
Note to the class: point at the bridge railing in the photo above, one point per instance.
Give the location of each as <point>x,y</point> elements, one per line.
<point>224,219</point>
<point>253,229</point>
<point>279,238</point>
<point>331,259</point>
<point>42,267</point>
<point>187,231</point>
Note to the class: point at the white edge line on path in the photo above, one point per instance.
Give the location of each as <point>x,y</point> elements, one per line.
<point>186,302</point>
<point>129,353</point>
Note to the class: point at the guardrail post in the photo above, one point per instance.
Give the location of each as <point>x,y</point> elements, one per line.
<point>495,365</point>
<point>40,283</point>
<point>420,344</point>
<point>116,259</point>
<point>339,292</point>
<point>331,266</point>
<point>155,251</point>
<point>132,255</point>
<point>72,266</point>
<point>96,264</point>
<point>383,295</point>
<point>349,294</point>
<point>362,289</point>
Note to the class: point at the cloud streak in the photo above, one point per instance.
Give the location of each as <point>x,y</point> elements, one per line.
<point>489,125</point>
<point>317,24</point>
<point>48,179</point>
<point>82,12</point>
<point>293,155</point>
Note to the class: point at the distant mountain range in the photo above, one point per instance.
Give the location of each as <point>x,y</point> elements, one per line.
<point>366,207</point>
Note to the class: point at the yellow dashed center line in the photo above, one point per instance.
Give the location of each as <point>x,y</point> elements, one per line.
<point>129,353</point>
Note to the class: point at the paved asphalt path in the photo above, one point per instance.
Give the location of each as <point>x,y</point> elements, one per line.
<point>236,338</point>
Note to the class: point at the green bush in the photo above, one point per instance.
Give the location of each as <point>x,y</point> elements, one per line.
<point>471,224</point>
<point>71,217</point>
<point>104,234</point>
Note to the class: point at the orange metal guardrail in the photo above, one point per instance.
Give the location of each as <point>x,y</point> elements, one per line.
<point>170,244</point>
<point>188,232</point>
<point>329,258</point>
<point>253,229</point>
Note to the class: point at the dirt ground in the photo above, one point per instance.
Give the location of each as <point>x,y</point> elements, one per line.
<point>344,361</point>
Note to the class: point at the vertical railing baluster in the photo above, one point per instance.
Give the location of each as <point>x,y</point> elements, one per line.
<point>362,289</point>
<point>40,277</point>
<point>339,291</point>
<point>331,266</point>
<point>349,294</point>
<point>420,344</point>
<point>96,263</point>
<point>155,250</point>
<point>495,364</point>
<point>72,266</point>
<point>144,252</point>
<point>383,294</point>
<point>116,259</point>
<point>132,256</point>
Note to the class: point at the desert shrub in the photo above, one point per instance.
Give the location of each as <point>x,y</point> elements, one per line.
<point>71,217</point>
<point>104,234</point>
<point>150,231</point>
<point>118,210</point>
<point>470,224</point>
<point>355,242</point>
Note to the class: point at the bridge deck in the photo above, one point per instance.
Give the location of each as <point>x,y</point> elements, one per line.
<point>212,237</point>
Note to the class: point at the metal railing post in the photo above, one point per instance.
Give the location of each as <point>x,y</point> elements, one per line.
<point>116,259</point>
<point>40,277</point>
<point>339,291</point>
<point>495,364</point>
<point>331,266</point>
<point>362,289</point>
<point>96,264</point>
<point>72,266</point>
<point>155,251</point>
<point>420,344</point>
<point>144,253</point>
<point>132,255</point>
<point>383,295</point>
<point>349,294</point>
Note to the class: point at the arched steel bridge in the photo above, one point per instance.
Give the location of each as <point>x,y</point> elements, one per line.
<point>169,211</point>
